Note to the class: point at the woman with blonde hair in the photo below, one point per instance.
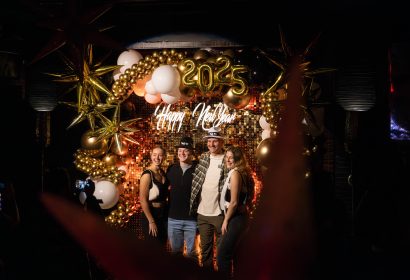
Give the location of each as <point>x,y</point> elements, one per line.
<point>153,194</point>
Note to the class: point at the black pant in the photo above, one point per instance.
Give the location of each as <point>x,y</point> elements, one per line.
<point>229,242</point>
<point>160,216</point>
<point>208,227</point>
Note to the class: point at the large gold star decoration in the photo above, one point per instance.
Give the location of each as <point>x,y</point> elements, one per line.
<point>273,98</point>
<point>116,130</point>
<point>88,85</point>
<point>75,28</point>
<point>90,111</point>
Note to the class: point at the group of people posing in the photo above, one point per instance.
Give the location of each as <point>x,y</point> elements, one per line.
<point>210,196</point>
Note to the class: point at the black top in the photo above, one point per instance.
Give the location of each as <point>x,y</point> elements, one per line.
<point>242,196</point>
<point>162,187</point>
<point>180,192</point>
<point>243,193</point>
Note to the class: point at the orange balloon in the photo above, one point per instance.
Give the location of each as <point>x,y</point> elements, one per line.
<point>139,86</point>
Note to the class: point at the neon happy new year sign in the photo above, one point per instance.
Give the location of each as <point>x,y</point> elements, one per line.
<point>207,116</point>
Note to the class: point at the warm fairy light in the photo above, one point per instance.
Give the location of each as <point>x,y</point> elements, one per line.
<point>258,190</point>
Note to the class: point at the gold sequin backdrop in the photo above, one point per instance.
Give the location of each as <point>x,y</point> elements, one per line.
<point>245,132</point>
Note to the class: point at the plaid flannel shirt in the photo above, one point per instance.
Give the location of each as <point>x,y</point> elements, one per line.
<point>199,178</point>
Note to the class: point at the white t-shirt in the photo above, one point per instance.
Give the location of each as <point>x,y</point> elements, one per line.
<point>209,203</point>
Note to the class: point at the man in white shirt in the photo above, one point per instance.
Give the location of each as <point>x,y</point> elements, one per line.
<point>207,183</point>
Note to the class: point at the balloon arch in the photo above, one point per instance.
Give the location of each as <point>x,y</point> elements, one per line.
<point>166,94</point>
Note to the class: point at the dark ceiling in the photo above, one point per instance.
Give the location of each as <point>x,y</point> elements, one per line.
<point>348,28</point>
<point>27,26</point>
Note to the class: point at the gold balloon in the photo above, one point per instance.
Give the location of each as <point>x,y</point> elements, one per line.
<point>221,91</point>
<point>122,150</point>
<point>264,151</point>
<point>211,60</point>
<point>181,66</point>
<point>188,70</point>
<point>280,95</point>
<point>91,146</point>
<point>235,101</point>
<point>236,79</point>
<point>224,70</point>
<point>110,159</point>
<point>187,93</point>
<point>201,55</point>
<point>229,52</point>
<point>205,78</point>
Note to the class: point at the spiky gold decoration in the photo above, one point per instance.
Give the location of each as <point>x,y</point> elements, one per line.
<point>273,98</point>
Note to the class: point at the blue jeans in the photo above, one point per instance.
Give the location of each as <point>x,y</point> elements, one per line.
<point>180,230</point>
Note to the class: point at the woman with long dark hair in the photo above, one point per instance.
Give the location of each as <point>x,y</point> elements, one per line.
<point>235,195</point>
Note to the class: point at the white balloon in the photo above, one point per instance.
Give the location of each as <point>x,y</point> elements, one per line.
<point>152,98</point>
<point>116,74</point>
<point>128,58</point>
<point>107,192</point>
<point>165,78</point>
<point>175,90</point>
<point>266,134</point>
<point>82,197</point>
<point>150,88</point>
<point>263,123</point>
<point>171,98</point>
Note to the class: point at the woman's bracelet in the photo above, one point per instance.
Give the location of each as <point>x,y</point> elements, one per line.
<point>153,222</point>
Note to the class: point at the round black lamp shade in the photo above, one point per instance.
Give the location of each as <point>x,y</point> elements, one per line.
<point>355,87</point>
<point>43,96</point>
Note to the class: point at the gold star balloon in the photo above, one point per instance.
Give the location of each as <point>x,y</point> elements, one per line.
<point>116,130</point>
<point>91,111</point>
<point>274,97</point>
<point>87,84</point>
<point>86,77</point>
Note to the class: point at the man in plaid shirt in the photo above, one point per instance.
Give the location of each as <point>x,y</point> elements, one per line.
<point>207,183</point>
